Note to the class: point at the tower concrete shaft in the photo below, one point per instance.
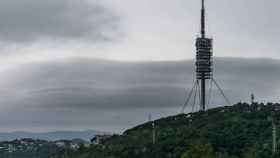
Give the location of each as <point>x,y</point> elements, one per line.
<point>203,94</point>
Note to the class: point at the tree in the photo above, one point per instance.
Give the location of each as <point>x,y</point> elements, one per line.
<point>251,153</point>
<point>201,151</point>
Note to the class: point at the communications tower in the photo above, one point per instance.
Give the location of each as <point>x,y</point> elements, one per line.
<point>204,67</point>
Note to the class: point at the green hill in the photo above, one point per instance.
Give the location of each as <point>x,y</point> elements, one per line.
<point>237,131</point>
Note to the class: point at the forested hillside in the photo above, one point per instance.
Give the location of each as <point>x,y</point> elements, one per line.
<point>239,131</point>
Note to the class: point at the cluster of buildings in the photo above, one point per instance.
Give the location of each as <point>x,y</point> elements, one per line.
<point>31,145</point>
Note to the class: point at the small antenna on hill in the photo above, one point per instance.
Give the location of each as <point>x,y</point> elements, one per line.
<point>153,129</point>
<point>252,98</point>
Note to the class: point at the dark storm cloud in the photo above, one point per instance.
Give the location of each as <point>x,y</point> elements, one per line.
<point>98,84</point>
<point>32,20</point>
<point>96,93</point>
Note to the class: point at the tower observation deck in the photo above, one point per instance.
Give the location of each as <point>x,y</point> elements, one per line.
<point>204,67</point>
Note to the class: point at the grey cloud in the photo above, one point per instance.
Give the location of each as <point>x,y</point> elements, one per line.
<point>32,20</point>
<point>98,84</point>
<point>255,18</point>
<point>96,93</point>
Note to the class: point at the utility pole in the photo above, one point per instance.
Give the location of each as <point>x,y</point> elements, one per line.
<point>154,133</point>
<point>153,129</point>
<point>274,137</point>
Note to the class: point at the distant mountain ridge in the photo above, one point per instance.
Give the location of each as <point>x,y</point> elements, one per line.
<point>50,136</point>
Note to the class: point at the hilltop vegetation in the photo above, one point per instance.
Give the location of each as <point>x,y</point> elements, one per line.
<point>239,131</point>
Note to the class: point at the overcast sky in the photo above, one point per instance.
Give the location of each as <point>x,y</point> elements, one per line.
<point>36,30</point>
<point>107,64</point>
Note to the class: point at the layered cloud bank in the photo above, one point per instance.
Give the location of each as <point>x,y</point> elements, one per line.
<point>90,93</point>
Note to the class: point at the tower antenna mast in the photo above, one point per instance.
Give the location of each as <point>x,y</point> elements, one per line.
<point>204,66</point>
<point>203,19</point>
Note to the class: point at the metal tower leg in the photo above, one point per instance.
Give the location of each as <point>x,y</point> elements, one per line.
<point>195,94</point>
<point>221,91</point>
<point>210,94</point>
<point>189,97</point>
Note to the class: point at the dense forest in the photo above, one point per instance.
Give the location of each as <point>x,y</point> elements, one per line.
<point>239,131</point>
